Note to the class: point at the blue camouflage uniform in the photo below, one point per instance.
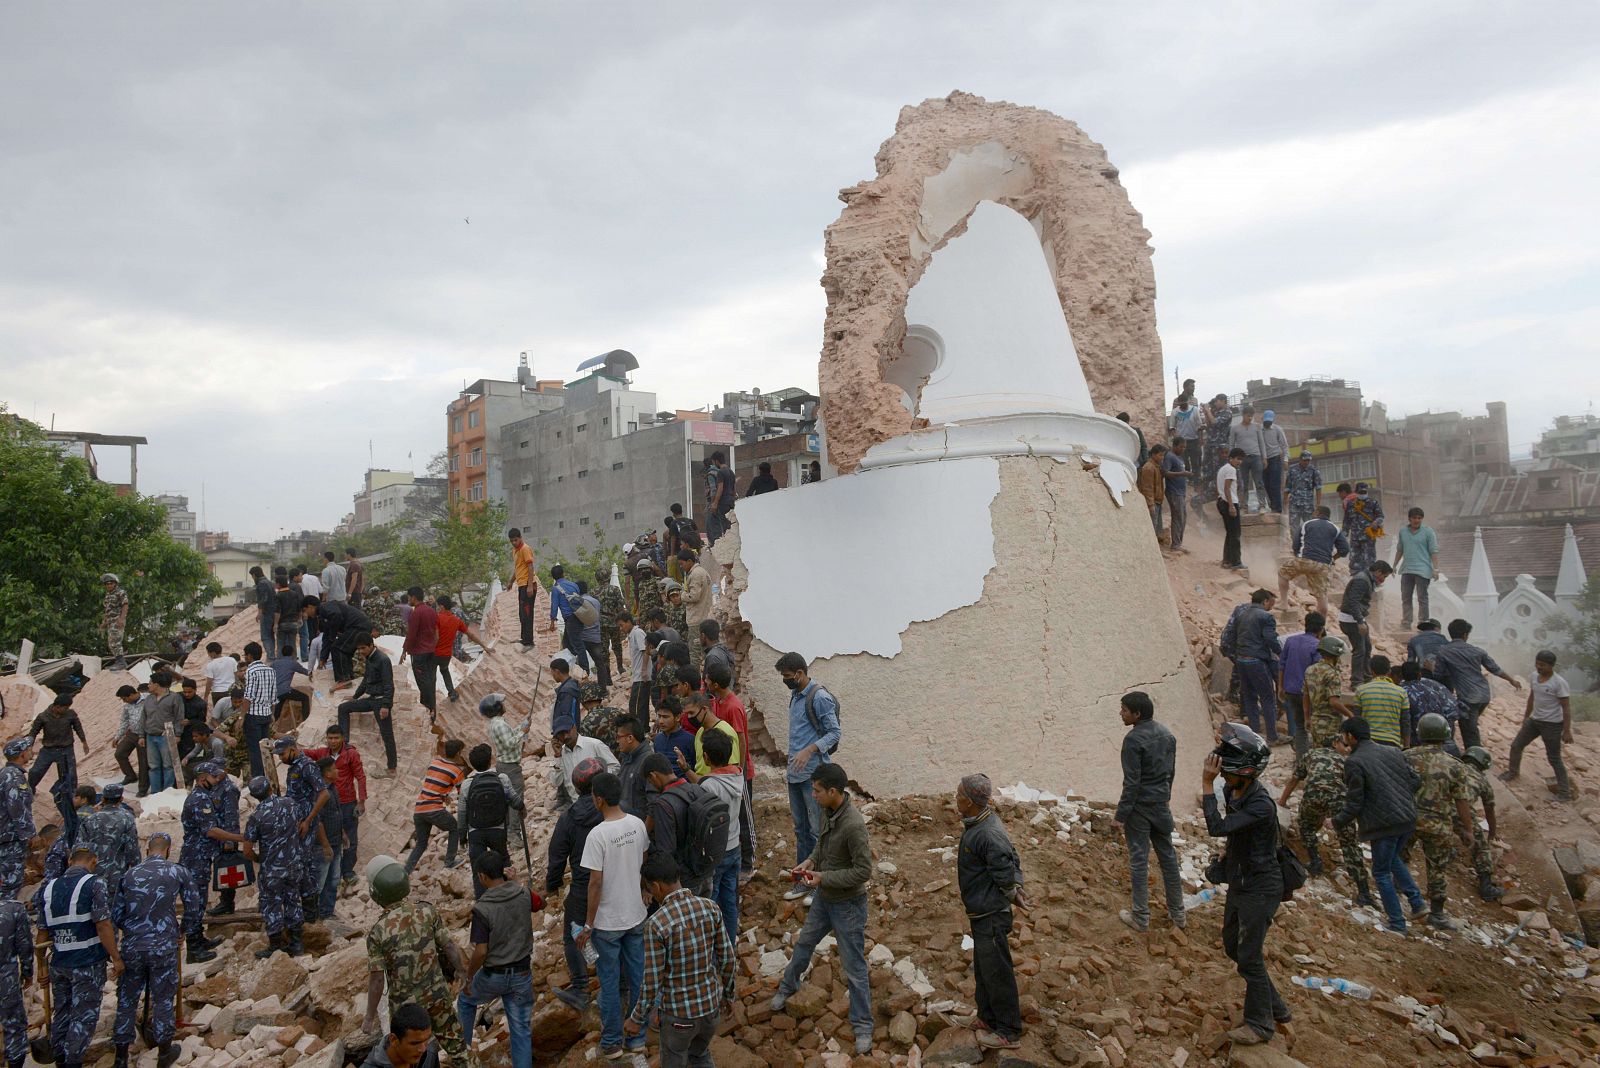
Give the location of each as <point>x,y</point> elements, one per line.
<point>147,916</point>
<point>113,833</point>
<point>16,824</point>
<point>16,968</point>
<point>226,796</point>
<point>74,906</point>
<point>199,850</point>
<point>302,785</point>
<point>281,864</point>
<point>55,862</point>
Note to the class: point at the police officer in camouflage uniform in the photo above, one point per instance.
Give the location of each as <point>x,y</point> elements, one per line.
<point>1478,762</point>
<point>16,972</point>
<point>408,949</point>
<point>274,833</point>
<point>599,720</point>
<point>203,835</point>
<point>16,816</point>
<point>1321,769</point>
<point>611,608</point>
<point>225,801</point>
<point>646,587</point>
<point>113,833</point>
<point>304,787</point>
<point>1444,796</point>
<point>147,916</point>
<point>82,941</point>
<point>677,613</point>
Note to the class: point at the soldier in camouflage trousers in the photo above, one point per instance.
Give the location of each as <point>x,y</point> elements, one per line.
<point>408,949</point>
<point>113,833</point>
<point>612,606</point>
<point>274,833</point>
<point>147,916</point>
<point>16,816</point>
<point>16,972</point>
<point>1478,762</point>
<point>1443,797</point>
<point>1321,770</point>
<point>647,588</point>
<point>677,614</point>
<point>599,720</point>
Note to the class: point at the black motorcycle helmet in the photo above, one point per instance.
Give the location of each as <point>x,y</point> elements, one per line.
<point>1242,751</point>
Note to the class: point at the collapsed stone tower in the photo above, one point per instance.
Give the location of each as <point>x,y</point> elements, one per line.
<point>977,580</point>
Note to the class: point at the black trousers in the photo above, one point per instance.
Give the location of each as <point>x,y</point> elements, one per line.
<point>385,723</point>
<point>1361,656</point>
<point>422,671</point>
<point>572,641</point>
<point>1469,724</point>
<point>296,697</point>
<point>996,995</point>
<point>597,659</point>
<point>639,702</point>
<point>443,664</point>
<point>526,598</point>
<point>1230,535</point>
<point>1245,922</point>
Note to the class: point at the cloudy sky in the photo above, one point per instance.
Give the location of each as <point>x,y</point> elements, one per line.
<point>242,230</point>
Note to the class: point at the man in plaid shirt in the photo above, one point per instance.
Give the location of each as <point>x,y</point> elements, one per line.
<point>688,967</point>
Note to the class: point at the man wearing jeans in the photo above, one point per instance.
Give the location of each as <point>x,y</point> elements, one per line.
<point>1548,717</point>
<point>689,969</point>
<point>839,869</point>
<point>1144,811</point>
<point>431,810</point>
<point>1354,607</point>
<point>613,854</point>
<point>814,734</point>
<point>1418,558</point>
<point>422,636</point>
<point>1256,651</point>
<point>1299,654</point>
<point>501,964</point>
<point>1380,795</point>
<point>260,697</point>
<point>1245,436</point>
<point>375,695</point>
<point>350,790</point>
<point>1460,666</point>
<point>164,709</point>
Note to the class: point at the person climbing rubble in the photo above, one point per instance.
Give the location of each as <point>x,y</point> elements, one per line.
<point>989,875</point>
<point>147,916</point>
<point>1548,716</point>
<point>274,843</point>
<point>82,942</point>
<point>564,853</point>
<point>1144,810</point>
<point>508,742</point>
<point>1355,606</point>
<point>1380,798</point>
<point>1478,761</point>
<point>489,806</point>
<point>500,965</point>
<point>1444,809</point>
<point>113,833</point>
<point>305,789</point>
<point>1316,544</point>
<point>16,816</point>
<point>1363,526</point>
<point>1320,769</point>
<point>16,974</point>
<point>1459,666</point>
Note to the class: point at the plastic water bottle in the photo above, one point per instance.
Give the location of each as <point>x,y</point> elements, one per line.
<point>1196,900</point>
<point>1343,986</point>
<point>590,954</point>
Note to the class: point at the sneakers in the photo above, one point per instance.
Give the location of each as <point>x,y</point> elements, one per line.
<point>1508,776</point>
<point>796,892</point>
<point>779,1000</point>
<point>573,999</point>
<point>1419,909</point>
<point>1127,917</point>
<point>746,875</point>
<point>615,1054</point>
<point>806,901</point>
<point>987,1039</point>
<point>864,1044</point>
<point>1245,1035</point>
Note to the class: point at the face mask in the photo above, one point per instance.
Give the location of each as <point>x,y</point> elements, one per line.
<point>793,684</point>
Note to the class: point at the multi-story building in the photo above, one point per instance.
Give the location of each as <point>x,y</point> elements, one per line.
<point>473,422</point>
<point>180,520</point>
<point>230,565</point>
<point>777,428</point>
<point>1575,439</point>
<point>1403,471</point>
<point>605,460</point>
<point>1469,446</point>
<point>1306,406</point>
<point>381,498</point>
<point>302,543</point>
<point>81,445</point>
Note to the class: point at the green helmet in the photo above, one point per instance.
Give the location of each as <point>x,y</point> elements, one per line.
<point>1478,757</point>
<point>1433,728</point>
<point>388,881</point>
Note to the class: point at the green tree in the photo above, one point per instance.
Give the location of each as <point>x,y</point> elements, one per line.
<point>60,529</point>
<point>585,563</point>
<point>1582,630</point>
<point>468,549</point>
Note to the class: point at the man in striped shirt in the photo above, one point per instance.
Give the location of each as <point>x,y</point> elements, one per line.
<point>432,810</point>
<point>507,740</point>
<point>260,700</point>
<point>1384,705</point>
<point>688,967</point>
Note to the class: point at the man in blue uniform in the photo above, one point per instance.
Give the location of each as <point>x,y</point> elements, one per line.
<point>113,833</point>
<point>82,941</point>
<point>202,834</point>
<point>147,916</point>
<point>16,816</point>
<point>305,789</point>
<point>16,972</point>
<point>225,796</point>
<point>273,837</point>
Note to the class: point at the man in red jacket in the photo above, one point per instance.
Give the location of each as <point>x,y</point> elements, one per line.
<point>351,790</point>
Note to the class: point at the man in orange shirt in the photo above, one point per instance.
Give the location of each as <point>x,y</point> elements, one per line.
<point>431,810</point>
<point>726,706</point>
<point>450,625</point>
<point>522,578</point>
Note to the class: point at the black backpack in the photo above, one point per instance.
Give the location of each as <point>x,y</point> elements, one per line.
<point>487,807</point>
<point>816,721</point>
<point>704,840</point>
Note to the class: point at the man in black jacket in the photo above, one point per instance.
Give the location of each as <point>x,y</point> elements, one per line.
<point>990,877</point>
<point>339,622</point>
<point>632,747</point>
<point>1380,792</point>
<point>1250,868</point>
<point>1354,608</point>
<point>566,850</point>
<point>375,695</point>
<point>671,797</point>
<point>1144,812</point>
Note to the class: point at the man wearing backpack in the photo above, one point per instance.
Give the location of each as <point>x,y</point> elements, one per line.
<point>687,823</point>
<point>487,802</point>
<point>814,734</point>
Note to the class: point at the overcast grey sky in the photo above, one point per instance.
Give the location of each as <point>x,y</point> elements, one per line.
<point>240,230</point>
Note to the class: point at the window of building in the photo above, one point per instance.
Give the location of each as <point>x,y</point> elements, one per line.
<point>477,458</point>
<point>1552,482</point>
<point>619,515</point>
<point>477,492</point>
<point>617,466</point>
<point>558,435</point>
<point>632,427</point>
<point>561,524</point>
<point>522,444</point>
<point>526,486</point>
<point>584,521</point>
<point>472,418</point>
<point>605,420</point>
<point>582,427</point>
<point>561,478</point>
<point>455,462</point>
<point>1479,449</point>
<point>584,473</point>
<point>456,424</point>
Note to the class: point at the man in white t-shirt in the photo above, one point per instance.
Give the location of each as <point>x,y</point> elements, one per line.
<point>218,673</point>
<point>613,854</point>
<point>639,666</point>
<point>1229,498</point>
<point>1548,717</point>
